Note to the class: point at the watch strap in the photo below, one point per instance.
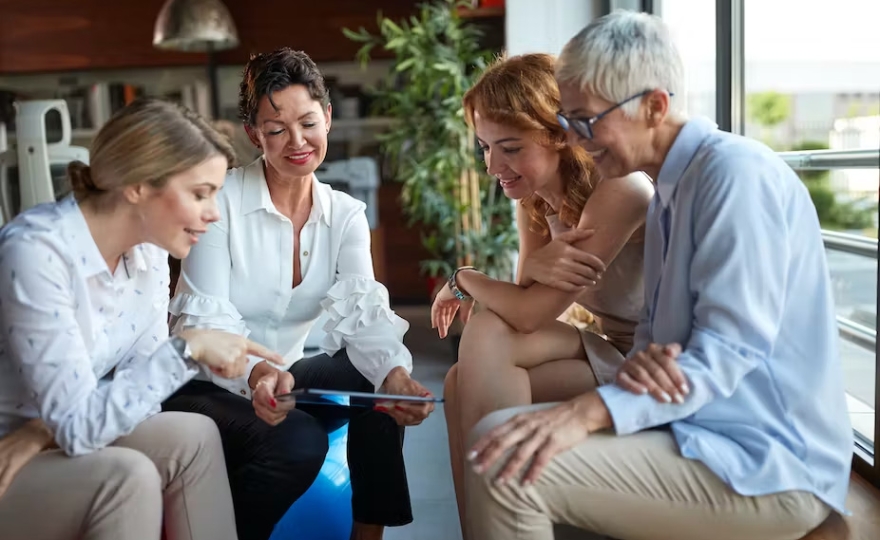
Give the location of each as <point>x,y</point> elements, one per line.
<point>453,284</point>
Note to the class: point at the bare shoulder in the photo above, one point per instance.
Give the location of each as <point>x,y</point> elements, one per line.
<point>637,184</point>
<point>624,198</point>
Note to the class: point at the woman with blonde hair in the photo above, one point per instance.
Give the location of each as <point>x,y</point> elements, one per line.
<point>85,359</point>
<point>580,241</point>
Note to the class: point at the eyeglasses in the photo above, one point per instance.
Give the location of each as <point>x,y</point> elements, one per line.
<point>583,126</point>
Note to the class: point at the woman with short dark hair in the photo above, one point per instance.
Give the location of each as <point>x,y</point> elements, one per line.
<point>288,247</point>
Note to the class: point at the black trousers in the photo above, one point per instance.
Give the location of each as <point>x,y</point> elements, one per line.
<point>271,467</point>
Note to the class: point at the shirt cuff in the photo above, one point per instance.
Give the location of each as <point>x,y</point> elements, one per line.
<point>239,385</point>
<point>382,371</point>
<point>630,412</point>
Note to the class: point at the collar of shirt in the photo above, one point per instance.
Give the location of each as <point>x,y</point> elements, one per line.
<point>255,194</point>
<point>83,247</point>
<point>686,144</point>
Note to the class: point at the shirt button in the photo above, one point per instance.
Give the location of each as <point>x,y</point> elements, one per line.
<point>243,392</point>
<point>305,253</point>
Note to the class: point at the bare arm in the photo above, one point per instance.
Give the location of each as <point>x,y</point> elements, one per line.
<point>529,241</point>
<point>615,211</point>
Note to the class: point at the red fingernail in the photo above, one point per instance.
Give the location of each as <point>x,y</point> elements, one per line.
<point>273,403</point>
<point>399,408</point>
<point>426,394</point>
<point>380,408</point>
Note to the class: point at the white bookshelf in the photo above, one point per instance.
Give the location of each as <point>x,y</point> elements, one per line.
<point>190,86</point>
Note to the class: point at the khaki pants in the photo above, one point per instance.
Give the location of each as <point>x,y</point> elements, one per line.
<point>636,487</point>
<point>171,465</point>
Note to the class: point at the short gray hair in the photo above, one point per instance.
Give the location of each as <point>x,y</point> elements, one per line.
<point>621,54</point>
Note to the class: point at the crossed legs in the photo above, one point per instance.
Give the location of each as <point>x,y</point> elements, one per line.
<point>499,368</point>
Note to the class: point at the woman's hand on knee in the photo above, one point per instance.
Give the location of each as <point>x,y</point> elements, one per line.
<point>444,308</point>
<point>268,385</point>
<point>532,439</point>
<point>655,371</point>
<point>19,447</point>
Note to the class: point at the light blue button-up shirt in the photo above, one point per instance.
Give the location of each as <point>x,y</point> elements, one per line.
<point>735,271</point>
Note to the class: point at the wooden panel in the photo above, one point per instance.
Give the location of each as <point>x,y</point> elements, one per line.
<point>377,249</point>
<point>66,35</point>
<point>62,35</point>
<point>315,27</point>
<point>864,523</point>
<point>864,503</point>
<point>403,250</point>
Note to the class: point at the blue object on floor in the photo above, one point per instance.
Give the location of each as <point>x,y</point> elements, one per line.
<point>324,510</point>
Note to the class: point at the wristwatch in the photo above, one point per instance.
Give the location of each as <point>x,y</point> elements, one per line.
<point>182,347</point>
<point>453,284</point>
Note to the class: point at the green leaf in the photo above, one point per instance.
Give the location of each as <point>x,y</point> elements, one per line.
<point>437,57</point>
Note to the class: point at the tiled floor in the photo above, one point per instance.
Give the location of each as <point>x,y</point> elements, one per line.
<point>426,448</point>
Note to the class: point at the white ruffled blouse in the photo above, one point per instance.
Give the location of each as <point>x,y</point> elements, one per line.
<point>238,278</point>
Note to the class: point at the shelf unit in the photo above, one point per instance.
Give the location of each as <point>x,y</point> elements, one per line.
<point>343,129</point>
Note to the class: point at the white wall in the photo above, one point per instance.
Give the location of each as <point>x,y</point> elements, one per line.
<point>546,25</point>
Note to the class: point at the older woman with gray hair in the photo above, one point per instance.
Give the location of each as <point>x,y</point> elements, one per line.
<point>756,441</point>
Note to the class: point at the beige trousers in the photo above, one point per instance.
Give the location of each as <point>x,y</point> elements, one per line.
<point>636,487</point>
<point>170,467</point>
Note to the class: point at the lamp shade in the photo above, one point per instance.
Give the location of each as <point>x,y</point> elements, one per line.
<point>195,26</point>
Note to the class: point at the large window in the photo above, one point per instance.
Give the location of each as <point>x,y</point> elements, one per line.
<point>803,76</point>
<point>692,23</point>
<point>812,82</point>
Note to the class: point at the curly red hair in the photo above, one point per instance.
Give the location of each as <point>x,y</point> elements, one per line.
<point>521,91</point>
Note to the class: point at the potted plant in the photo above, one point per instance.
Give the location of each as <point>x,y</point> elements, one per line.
<point>465,218</point>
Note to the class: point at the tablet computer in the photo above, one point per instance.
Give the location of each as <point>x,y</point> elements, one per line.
<point>347,398</point>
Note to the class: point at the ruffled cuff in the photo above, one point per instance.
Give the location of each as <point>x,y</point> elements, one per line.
<point>192,311</point>
<point>362,321</point>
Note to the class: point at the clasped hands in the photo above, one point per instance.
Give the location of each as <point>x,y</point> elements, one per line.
<point>534,438</point>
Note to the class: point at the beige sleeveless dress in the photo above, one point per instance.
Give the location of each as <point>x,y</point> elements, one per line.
<point>616,302</point>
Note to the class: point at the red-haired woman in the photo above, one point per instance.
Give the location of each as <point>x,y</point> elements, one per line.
<point>581,241</point>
